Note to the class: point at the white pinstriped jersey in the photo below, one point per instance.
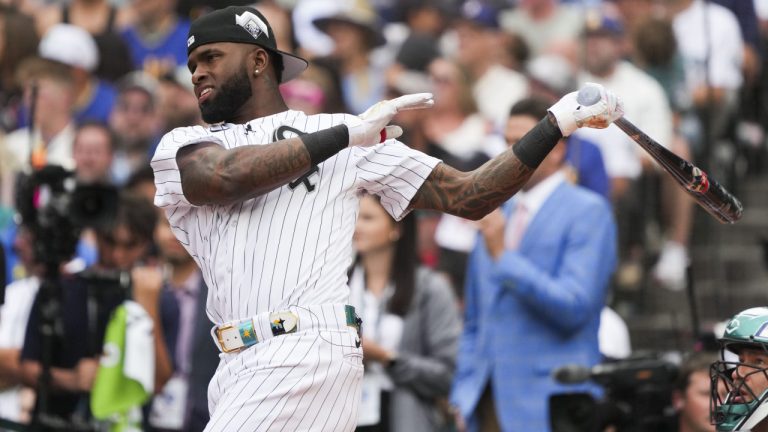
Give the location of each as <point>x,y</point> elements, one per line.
<point>293,245</point>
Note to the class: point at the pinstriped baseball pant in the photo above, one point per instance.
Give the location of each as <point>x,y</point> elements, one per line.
<point>305,381</point>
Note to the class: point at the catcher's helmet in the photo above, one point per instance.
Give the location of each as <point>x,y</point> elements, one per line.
<point>739,391</point>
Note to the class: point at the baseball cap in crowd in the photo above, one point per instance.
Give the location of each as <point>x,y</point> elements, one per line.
<point>597,24</point>
<point>242,24</point>
<point>359,14</point>
<point>480,13</point>
<point>415,55</point>
<point>70,45</point>
<point>417,52</point>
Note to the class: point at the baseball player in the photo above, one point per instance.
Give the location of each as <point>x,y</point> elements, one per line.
<point>265,200</point>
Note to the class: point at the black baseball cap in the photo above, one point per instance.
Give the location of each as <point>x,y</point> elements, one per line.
<point>241,24</point>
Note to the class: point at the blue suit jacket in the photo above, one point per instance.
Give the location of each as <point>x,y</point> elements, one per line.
<point>536,309</point>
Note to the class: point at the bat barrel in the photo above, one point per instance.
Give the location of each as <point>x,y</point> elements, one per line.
<point>708,193</point>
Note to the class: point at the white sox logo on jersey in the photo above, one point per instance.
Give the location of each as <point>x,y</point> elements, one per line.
<point>280,134</point>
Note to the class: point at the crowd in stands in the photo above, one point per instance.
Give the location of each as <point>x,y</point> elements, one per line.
<point>480,313</point>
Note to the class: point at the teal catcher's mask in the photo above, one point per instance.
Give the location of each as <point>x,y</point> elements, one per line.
<point>734,405</point>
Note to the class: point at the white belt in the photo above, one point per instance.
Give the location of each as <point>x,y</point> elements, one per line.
<point>237,335</point>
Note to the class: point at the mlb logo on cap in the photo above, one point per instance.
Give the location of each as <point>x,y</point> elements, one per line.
<point>252,24</point>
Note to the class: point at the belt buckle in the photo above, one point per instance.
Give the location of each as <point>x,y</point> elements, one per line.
<point>283,322</point>
<point>224,348</point>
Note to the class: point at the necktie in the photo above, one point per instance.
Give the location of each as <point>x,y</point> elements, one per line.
<point>516,228</point>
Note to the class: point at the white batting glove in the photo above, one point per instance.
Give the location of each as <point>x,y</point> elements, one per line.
<point>599,108</point>
<point>373,128</point>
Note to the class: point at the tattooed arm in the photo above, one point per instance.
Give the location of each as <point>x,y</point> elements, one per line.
<point>474,194</point>
<point>211,174</point>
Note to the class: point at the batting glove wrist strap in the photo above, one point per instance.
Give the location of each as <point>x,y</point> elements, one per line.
<point>563,111</point>
<point>536,144</point>
<point>325,143</point>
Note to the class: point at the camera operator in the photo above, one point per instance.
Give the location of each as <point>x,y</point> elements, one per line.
<point>690,396</point>
<point>121,247</point>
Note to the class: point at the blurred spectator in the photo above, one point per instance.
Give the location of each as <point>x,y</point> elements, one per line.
<point>157,38</point>
<point>709,40</point>
<point>750,128</point>
<point>647,106</point>
<point>102,20</point>
<point>407,74</point>
<point>14,313</point>
<point>424,22</point>
<point>456,133</point>
<point>691,394</point>
<point>480,50</point>
<point>18,41</point>
<point>312,42</point>
<point>427,17</point>
<point>54,129</point>
<point>94,16</point>
<point>515,53</point>
<point>136,124</point>
<point>542,23</point>
<point>315,91</point>
<point>279,20</point>
<point>746,15</point>
<point>142,183</point>
<point>537,280</point>
<point>75,353</point>
<point>76,48</point>
<point>183,402</point>
<point>355,32</point>
<point>635,12</point>
<point>654,50</point>
<point>176,103</point>
<point>645,102</point>
<point>92,151</point>
<point>410,341</point>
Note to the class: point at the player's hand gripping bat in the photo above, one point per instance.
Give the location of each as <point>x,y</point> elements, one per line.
<point>707,192</point>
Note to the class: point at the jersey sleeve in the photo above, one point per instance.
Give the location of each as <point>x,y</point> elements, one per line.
<point>394,172</point>
<point>169,194</point>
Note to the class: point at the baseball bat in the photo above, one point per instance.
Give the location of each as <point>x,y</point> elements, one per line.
<point>706,191</point>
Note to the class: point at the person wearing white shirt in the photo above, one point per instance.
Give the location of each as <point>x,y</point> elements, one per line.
<point>710,43</point>
<point>53,122</point>
<point>647,106</point>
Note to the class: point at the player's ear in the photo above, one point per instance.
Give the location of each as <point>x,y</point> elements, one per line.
<point>257,61</point>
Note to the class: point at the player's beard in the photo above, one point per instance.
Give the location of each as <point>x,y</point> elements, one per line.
<point>231,96</point>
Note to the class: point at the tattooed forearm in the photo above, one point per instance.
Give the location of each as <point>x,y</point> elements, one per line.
<point>211,174</point>
<point>474,194</point>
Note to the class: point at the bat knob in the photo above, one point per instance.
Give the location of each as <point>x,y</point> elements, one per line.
<point>588,95</point>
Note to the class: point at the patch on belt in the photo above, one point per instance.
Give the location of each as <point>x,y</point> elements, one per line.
<point>283,322</point>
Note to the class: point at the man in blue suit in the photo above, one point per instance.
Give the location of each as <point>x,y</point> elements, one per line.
<point>536,283</point>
